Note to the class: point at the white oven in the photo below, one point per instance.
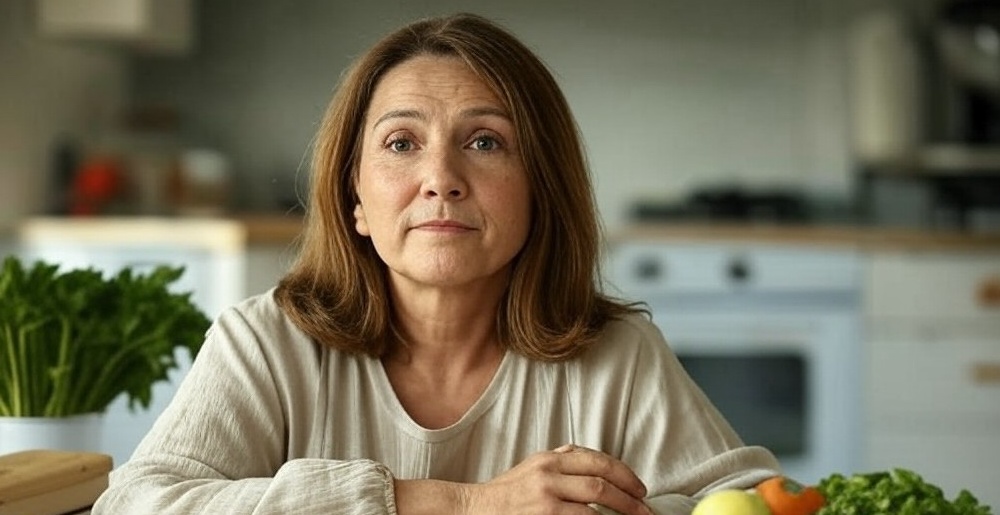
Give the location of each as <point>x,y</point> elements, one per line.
<point>770,333</point>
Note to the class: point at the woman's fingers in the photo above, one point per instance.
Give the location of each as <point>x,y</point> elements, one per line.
<point>581,461</point>
<point>566,480</point>
<point>596,490</point>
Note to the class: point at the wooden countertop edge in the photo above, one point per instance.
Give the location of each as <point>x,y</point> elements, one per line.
<point>272,229</point>
<point>265,229</point>
<point>862,238</point>
<point>286,229</point>
<point>255,229</point>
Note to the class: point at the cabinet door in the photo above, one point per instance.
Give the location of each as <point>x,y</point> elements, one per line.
<point>934,408</point>
<point>266,265</point>
<point>942,376</point>
<point>953,461</point>
<point>922,286</point>
<point>110,259</point>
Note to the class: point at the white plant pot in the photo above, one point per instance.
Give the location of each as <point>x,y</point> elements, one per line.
<point>75,433</point>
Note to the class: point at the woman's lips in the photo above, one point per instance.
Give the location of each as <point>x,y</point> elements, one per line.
<point>444,226</point>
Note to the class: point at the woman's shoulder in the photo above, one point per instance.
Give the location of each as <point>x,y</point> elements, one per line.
<point>266,325</point>
<point>634,331</point>
<point>260,307</point>
<point>260,321</point>
<point>259,312</point>
<point>625,341</point>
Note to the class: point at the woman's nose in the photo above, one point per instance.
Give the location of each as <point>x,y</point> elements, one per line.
<point>444,177</point>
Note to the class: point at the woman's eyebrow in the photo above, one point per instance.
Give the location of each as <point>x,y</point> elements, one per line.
<point>400,113</point>
<point>485,111</point>
<point>472,112</point>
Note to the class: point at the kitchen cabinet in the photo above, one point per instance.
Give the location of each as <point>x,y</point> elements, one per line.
<point>932,320</point>
<point>161,26</point>
<point>267,263</point>
<point>211,250</point>
<point>272,247</point>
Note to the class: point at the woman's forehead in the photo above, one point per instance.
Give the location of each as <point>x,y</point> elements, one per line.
<point>429,81</point>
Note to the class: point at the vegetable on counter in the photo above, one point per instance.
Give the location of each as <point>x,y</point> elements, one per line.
<point>731,502</point>
<point>73,341</point>
<point>785,496</point>
<point>897,492</point>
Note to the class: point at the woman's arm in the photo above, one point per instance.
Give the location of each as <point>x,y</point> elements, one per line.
<point>566,480</point>
<point>222,445</point>
<point>176,485</point>
<point>669,433</point>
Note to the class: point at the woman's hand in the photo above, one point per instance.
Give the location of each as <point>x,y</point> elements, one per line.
<point>563,481</point>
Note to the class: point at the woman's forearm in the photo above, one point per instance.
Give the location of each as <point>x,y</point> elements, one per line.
<point>429,497</point>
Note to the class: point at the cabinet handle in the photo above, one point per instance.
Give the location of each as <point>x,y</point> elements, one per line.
<point>988,292</point>
<point>986,373</point>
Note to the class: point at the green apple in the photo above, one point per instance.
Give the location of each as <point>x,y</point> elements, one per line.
<point>731,502</point>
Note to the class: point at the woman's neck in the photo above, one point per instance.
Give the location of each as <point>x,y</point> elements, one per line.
<point>452,326</point>
<point>446,330</point>
<point>450,355</point>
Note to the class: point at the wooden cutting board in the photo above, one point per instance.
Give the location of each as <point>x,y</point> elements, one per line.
<point>44,482</point>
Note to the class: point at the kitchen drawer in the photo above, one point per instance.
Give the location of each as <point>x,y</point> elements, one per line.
<point>934,380</point>
<point>931,285</point>
<point>951,461</point>
<point>212,251</point>
<point>654,268</point>
<point>109,260</point>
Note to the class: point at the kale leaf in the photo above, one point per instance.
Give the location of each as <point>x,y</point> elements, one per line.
<point>73,341</point>
<point>894,492</point>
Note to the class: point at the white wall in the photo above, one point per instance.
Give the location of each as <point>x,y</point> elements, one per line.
<point>669,94</point>
<point>675,95</point>
<point>46,89</point>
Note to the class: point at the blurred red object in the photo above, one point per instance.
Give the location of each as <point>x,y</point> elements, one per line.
<point>98,183</point>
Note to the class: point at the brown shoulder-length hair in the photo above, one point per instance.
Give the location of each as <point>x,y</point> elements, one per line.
<point>337,292</point>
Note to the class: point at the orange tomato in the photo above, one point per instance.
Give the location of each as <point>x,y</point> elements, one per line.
<point>785,496</point>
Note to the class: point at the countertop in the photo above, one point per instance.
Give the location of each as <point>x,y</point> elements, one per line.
<point>284,229</point>
<point>271,229</point>
<point>862,238</point>
<point>235,230</point>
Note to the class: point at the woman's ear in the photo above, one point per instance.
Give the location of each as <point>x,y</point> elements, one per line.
<point>360,222</point>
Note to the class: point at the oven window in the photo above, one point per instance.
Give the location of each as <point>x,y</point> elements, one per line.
<point>763,396</point>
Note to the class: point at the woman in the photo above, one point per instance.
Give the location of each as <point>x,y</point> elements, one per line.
<point>441,345</point>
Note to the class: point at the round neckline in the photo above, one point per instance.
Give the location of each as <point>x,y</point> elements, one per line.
<point>390,402</point>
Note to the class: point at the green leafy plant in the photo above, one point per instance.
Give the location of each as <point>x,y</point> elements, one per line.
<point>73,341</point>
<point>894,492</point>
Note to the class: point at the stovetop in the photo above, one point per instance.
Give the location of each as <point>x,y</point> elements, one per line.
<point>730,204</point>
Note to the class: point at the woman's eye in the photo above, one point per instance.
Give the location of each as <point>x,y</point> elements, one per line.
<point>400,145</point>
<point>485,143</point>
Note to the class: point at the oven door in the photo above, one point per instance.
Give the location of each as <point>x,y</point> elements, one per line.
<point>788,381</point>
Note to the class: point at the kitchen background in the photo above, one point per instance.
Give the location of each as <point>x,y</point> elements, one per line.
<point>672,95</point>
<point>813,128</point>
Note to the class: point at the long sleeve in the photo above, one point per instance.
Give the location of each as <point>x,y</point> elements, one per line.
<point>669,433</point>
<point>267,422</point>
<point>229,440</point>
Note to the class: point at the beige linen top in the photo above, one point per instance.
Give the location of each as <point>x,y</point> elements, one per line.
<point>267,421</point>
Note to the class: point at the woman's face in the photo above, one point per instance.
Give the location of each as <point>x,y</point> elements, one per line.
<point>442,191</point>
